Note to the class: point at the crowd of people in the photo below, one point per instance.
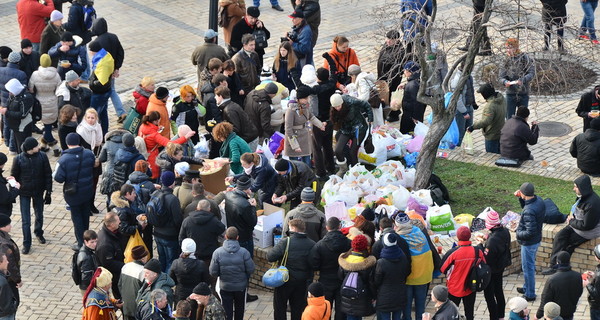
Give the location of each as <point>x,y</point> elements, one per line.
<point>204,242</point>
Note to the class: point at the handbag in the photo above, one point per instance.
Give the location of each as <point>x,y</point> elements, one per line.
<point>261,38</point>
<point>70,188</point>
<point>277,276</point>
<point>132,121</point>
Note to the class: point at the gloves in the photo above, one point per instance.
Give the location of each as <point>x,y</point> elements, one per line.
<point>475,106</point>
<point>470,128</point>
<point>48,198</point>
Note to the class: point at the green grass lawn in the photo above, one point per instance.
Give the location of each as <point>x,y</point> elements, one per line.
<point>473,188</point>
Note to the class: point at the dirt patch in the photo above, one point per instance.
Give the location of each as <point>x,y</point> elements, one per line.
<point>558,77</point>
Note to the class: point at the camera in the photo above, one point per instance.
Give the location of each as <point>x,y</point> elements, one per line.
<point>293,35</point>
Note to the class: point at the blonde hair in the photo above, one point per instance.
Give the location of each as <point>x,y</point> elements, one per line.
<point>146,81</point>
<point>92,111</point>
<point>173,149</point>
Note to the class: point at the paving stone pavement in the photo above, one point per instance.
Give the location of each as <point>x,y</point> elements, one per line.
<point>158,37</point>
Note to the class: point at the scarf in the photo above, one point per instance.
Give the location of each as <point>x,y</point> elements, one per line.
<point>92,134</point>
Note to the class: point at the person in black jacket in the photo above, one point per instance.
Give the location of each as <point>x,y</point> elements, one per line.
<point>564,288</point>
<point>332,245</point>
<point>591,281</point>
<point>8,191</point>
<point>203,227</point>
<point>389,66</point>
<point>111,249</point>
<point>32,170</point>
<point>76,21</point>
<point>586,149</point>
<point>19,100</point>
<point>87,262</point>
<point>389,279</point>
<point>497,256</point>
<point>386,225</point>
<point>358,260</point>
<point>166,235</point>
<point>187,272</point>
<point>323,139</point>
<point>234,114</point>
<point>130,220</point>
<point>554,13</point>
<point>30,60</point>
<point>8,301</point>
<point>100,85</point>
<point>71,93</point>
<point>298,247</point>
<point>589,107</point>
<point>516,134</point>
<point>241,212</point>
<point>249,24</point>
<point>412,109</point>
<point>293,177</point>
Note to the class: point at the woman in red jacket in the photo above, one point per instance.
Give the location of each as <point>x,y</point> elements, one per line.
<point>142,93</point>
<point>150,131</point>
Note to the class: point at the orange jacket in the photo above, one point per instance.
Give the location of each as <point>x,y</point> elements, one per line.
<point>155,104</point>
<point>317,309</point>
<point>154,141</point>
<point>343,60</point>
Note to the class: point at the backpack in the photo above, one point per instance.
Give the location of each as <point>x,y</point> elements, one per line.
<point>480,275</point>
<point>154,209</point>
<point>120,173</point>
<point>75,272</point>
<point>36,111</point>
<point>141,199</point>
<point>439,192</point>
<point>353,286</point>
<point>260,37</point>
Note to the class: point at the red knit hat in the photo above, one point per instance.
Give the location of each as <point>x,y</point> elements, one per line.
<point>360,243</point>
<point>463,234</point>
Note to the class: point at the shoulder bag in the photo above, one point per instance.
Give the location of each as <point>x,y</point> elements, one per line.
<point>278,275</point>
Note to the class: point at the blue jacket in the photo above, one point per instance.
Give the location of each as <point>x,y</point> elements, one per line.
<point>529,231</point>
<point>76,22</point>
<point>66,171</point>
<point>73,55</point>
<point>421,8</point>
<point>233,265</point>
<point>6,73</point>
<point>303,45</point>
<point>263,177</point>
<point>130,155</point>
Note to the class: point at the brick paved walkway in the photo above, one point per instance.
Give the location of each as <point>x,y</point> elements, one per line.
<point>158,37</point>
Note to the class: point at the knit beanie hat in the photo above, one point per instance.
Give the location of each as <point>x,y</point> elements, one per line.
<point>161,93</point>
<point>517,304</point>
<point>153,265</point>
<point>595,124</point>
<point>167,178</point>
<point>29,144</point>
<point>243,183</point>
<point>138,252</point>
<point>71,76</point>
<point>401,218</point>
<point>316,289</point>
<point>527,189</point>
<point>56,15</point>
<point>563,257</point>
<point>440,293</point>
<point>14,57</point>
<point>202,289</point>
<point>4,220</point>
<point>360,243</point>
<point>188,245</point>
<point>14,86</point>
<point>336,100</point>
<point>3,158</point>
<point>492,219</point>
<point>73,139</point>
<point>271,88</point>
<point>26,43</point>
<point>551,310</point>
<point>45,60</point>
<point>308,194</point>
<point>486,90</point>
<point>354,70</point>
<point>369,214</point>
<point>128,140</point>
<point>282,165</point>
<point>141,166</point>
<point>181,167</point>
<point>463,234</point>
<point>4,52</point>
<point>67,36</point>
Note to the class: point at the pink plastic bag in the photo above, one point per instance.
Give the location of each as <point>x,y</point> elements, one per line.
<point>413,204</point>
<point>337,209</point>
<point>415,144</point>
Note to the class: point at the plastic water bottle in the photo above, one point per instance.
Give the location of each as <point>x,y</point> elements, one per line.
<point>277,232</point>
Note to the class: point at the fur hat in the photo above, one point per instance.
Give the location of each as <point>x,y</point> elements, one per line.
<point>336,100</point>
<point>14,57</point>
<point>440,293</point>
<point>73,139</point>
<point>4,220</point>
<point>253,12</point>
<point>202,289</point>
<point>29,144</point>
<point>71,76</point>
<point>104,278</point>
<point>188,245</point>
<point>45,60</point>
<point>153,265</point>
<point>360,243</point>
<point>56,15</point>
<point>167,178</point>
<point>527,189</point>
<point>308,194</point>
<point>463,234</point>
<point>14,86</point>
<point>138,252</point>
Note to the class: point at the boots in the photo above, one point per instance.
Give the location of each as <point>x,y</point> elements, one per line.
<point>343,168</point>
<point>44,145</point>
<point>55,148</point>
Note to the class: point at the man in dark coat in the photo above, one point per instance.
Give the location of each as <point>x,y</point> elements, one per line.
<point>389,65</point>
<point>74,168</point>
<point>87,261</point>
<point>8,191</point>
<point>589,107</point>
<point>11,250</point>
<point>516,134</point>
<point>312,15</point>
<point>8,301</point>
<point>166,235</point>
<point>70,92</point>
<point>204,228</point>
<point>249,24</point>
<point>30,60</point>
<point>300,271</point>
<point>76,21</point>
<point>234,114</point>
<point>411,108</point>
<point>586,148</point>
<point>554,13</point>
<point>564,288</point>
<point>332,245</point>
<point>32,170</point>
<point>258,108</point>
<point>208,50</point>
<point>241,212</point>
<point>52,34</point>
<point>293,177</point>
<point>197,195</point>
<point>111,249</point>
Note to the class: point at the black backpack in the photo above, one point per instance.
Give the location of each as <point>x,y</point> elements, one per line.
<point>36,111</point>
<point>353,286</point>
<point>75,272</point>
<point>439,192</point>
<point>154,209</point>
<point>480,275</point>
<point>120,174</point>
<point>260,36</point>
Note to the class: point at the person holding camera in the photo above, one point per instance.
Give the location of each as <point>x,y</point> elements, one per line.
<point>301,38</point>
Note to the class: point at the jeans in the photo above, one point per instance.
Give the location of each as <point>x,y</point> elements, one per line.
<point>528,254</point>
<point>513,101</point>
<point>12,316</point>
<point>168,251</point>
<point>587,24</point>
<point>594,314</point>
<point>469,302</point>
<point>565,240</point>
<point>248,245</point>
<point>394,315</point>
<point>99,102</point>
<point>80,215</point>
<point>494,297</point>
<point>85,74</point>
<point>273,3</point>
<point>492,146</point>
<point>323,150</point>
<point>48,133</point>
<point>342,141</point>
<point>38,209</point>
<point>305,159</point>
<point>234,303</point>
<point>419,294</point>
<point>463,124</point>
<point>116,100</point>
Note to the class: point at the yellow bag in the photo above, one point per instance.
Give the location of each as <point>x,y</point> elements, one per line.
<point>134,240</point>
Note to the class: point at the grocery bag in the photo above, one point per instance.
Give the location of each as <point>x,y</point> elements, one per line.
<point>467,143</point>
<point>134,240</point>
<point>511,220</point>
<point>337,209</point>
<point>275,141</point>
<point>414,205</point>
<point>464,219</point>
<point>440,218</point>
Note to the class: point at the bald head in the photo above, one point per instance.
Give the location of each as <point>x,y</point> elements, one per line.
<point>203,205</point>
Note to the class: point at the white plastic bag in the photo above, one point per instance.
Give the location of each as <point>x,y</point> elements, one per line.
<point>423,197</point>
<point>440,219</point>
<point>378,156</point>
<point>400,198</point>
<point>264,149</point>
<point>201,148</point>
<point>408,177</point>
<point>421,129</point>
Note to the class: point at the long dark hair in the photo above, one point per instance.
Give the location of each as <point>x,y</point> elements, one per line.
<point>337,117</point>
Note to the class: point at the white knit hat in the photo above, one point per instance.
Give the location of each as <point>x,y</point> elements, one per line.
<point>182,167</point>
<point>14,86</point>
<point>188,245</point>
<point>336,100</point>
<point>56,15</point>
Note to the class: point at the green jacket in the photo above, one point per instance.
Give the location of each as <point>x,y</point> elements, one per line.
<point>359,110</point>
<point>233,148</point>
<point>494,115</point>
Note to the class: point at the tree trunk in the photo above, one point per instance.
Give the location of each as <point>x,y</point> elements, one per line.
<point>427,156</point>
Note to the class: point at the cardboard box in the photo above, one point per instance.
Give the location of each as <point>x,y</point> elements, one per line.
<point>263,231</point>
<point>213,183</point>
<point>263,238</point>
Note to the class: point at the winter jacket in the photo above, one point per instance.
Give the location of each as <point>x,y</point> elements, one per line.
<point>209,101</point>
<point>264,177</point>
<point>32,15</point>
<point>358,111</point>
<point>288,78</point>
<point>16,104</point>
<point>149,311</point>
<point>76,55</point>
<point>593,289</point>
<point>163,282</point>
<point>109,41</point>
<point>186,113</point>
<point>586,148</point>
<point>141,97</point>
<point>333,244</point>
<point>184,194</point>
<point>129,155</point>
<point>50,36</point>
<point>111,253</point>
<point>390,282</point>
<point>29,62</point>
<point>187,274</point>
<point>113,142</point>
<point>242,126</point>
<point>170,231</point>
<point>343,60</point>
<point>11,250</point>
<point>160,106</point>
<point>6,73</point>
<point>313,218</point>
<point>154,140</point>
<point>203,53</point>
<point>515,136</point>
<point>324,90</point>
<point>204,228</point>
<point>529,231</point>
<point>44,83</point>
<point>79,97</point>
<point>233,265</point>
<point>248,67</point>
<point>497,249</point>
<point>69,170</point>
<point>519,67</point>
<point>33,172</point>
<point>390,63</point>
<point>415,12</point>
<point>299,176</point>
<point>302,44</point>
<point>447,311</point>
<point>240,213</point>
<point>378,245</point>
<point>586,222</point>
<point>587,103</point>
<point>8,301</point>
<point>214,207</point>
<point>298,262</point>
<point>296,125</point>
<point>564,288</point>
<point>127,215</point>
<point>317,309</point>
<point>236,10</point>
<point>234,83</point>
<point>354,262</point>
<point>492,121</point>
<point>141,179</point>
<point>76,22</point>
<point>240,29</point>
<point>167,163</point>
<point>8,195</point>
<point>233,148</point>
<point>365,82</point>
<point>258,108</point>
<point>63,131</point>
<point>457,267</point>
<point>130,282</point>
<point>87,262</point>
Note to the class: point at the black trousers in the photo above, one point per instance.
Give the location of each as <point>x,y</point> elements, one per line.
<point>21,136</point>
<point>335,299</point>
<point>469,304</point>
<point>565,240</point>
<point>494,297</point>
<point>557,18</point>
<point>323,150</point>
<point>234,303</point>
<point>293,291</point>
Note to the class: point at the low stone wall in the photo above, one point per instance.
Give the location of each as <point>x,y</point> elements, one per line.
<point>582,259</point>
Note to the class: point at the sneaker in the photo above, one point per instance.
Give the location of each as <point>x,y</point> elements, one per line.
<point>521,290</point>
<point>583,37</point>
<point>251,297</point>
<point>41,239</point>
<point>122,118</point>
<point>595,41</point>
<point>25,250</point>
<point>529,299</point>
<point>548,271</point>
<point>278,8</point>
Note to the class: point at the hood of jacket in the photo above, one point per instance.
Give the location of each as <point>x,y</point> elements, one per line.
<point>164,280</point>
<point>143,92</point>
<point>115,199</point>
<point>153,99</point>
<point>585,185</point>
<point>127,154</point>
<point>138,177</point>
<point>231,246</point>
<point>115,135</point>
<point>99,27</point>
<point>363,264</point>
<point>47,73</point>
<point>163,160</point>
<point>201,217</point>
<point>261,96</point>
<point>591,135</point>
<point>336,241</point>
<point>306,210</point>
<point>367,76</point>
